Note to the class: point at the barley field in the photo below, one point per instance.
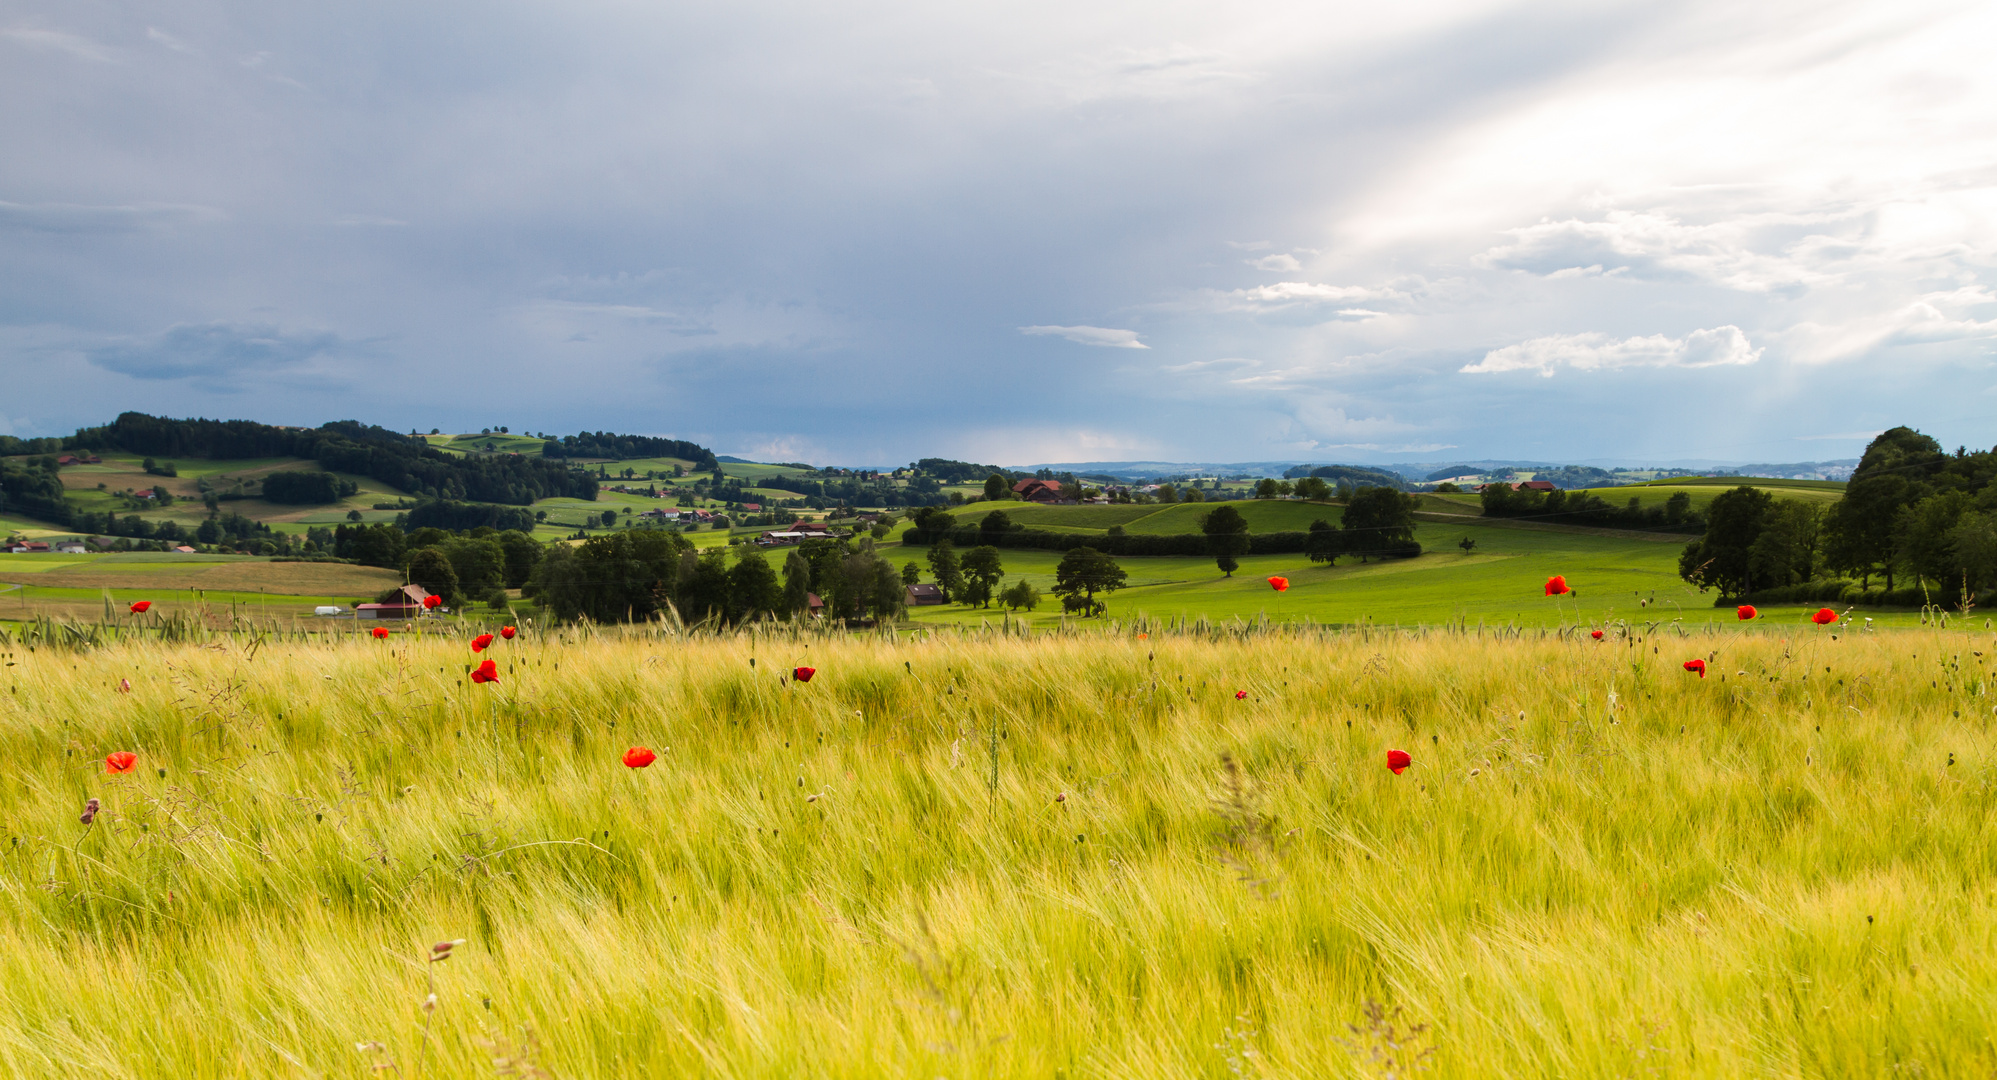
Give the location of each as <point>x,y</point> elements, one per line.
<point>1126,852</point>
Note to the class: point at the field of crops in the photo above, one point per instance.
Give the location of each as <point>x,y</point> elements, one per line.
<point>1125,853</point>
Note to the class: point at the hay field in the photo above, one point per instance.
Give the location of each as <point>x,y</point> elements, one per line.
<point>970,855</point>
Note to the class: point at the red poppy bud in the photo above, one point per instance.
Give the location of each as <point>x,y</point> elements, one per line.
<point>1746,612</point>
<point>1824,617</point>
<point>1596,634</point>
<point>1398,760</point>
<point>1239,694</point>
<point>638,757</point>
<point>140,607</point>
<point>123,761</point>
<point>381,631</point>
<point>1279,583</point>
<point>1696,665</point>
<point>486,672</point>
<point>480,642</point>
<point>507,632</point>
<point>1557,585</point>
<point>803,674</point>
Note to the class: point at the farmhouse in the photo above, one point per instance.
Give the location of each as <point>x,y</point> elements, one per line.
<point>26,547</point>
<point>387,611</point>
<point>925,594</point>
<point>1537,485</point>
<point>1037,490</point>
<point>72,547</point>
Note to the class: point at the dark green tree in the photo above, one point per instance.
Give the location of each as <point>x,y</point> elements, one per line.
<point>523,553</point>
<point>1467,545</point>
<point>1324,544</point>
<point>1227,537</point>
<point>1921,536</point>
<point>797,582</point>
<point>480,564</point>
<point>996,488</point>
<point>1785,553</point>
<point>1378,521</point>
<point>431,569</point>
<point>982,572</point>
<point>754,591</point>
<point>628,576</point>
<point>1723,558</point>
<point>1082,573</point>
<point>911,572</point>
<point>701,586</point>
<point>946,569</point>
<point>1894,473</point>
<point>998,521</point>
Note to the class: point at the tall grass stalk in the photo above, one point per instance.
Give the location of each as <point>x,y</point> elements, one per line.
<point>1599,865</point>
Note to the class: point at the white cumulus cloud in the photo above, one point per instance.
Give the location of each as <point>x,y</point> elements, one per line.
<point>1718,347</point>
<point>1090,335</point>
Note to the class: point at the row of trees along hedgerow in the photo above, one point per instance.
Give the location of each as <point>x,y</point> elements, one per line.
<point>1919,519</point>
<point>1376,522</point>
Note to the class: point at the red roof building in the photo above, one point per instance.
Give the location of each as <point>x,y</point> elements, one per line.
<point>1037,490</point>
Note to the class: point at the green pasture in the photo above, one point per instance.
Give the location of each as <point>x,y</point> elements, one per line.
<point>1751,481</point>
<point>1263,515</point>
<point>1702,493</point>
<point>1502,581</point>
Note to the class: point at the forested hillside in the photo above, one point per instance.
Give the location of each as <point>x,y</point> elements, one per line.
<point>402,462</point>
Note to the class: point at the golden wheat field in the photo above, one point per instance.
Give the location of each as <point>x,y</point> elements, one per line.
<point>975,855</point>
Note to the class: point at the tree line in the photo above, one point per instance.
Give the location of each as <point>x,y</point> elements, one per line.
<point>1582,508</point>
<point>1921,520</point>
<point>405,463</point>
<point>605,444</point>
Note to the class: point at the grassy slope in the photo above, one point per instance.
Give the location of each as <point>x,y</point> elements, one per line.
<point>1598,865</point>
<point>1627,576</point>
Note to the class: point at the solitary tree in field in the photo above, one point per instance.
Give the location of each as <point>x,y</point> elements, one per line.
<point>1324,544</point>
<point>945,568</point>
<point>910,572</point>
<point>1227,537</point>
<point>981,574</point>
<point>995,488</point>
<point>1378,520</point>
<point>1082,573</point>
<point>1466,544</point>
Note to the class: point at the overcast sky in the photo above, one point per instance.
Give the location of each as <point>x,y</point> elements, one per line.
<point>1021,232</point>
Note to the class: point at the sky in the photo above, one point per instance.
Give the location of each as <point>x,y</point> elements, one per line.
<point>1012,233</point>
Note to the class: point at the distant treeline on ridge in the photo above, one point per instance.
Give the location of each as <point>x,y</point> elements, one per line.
<point>604,444</point>
<point>403,462</point>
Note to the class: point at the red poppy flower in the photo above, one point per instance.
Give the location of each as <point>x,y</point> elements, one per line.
<point>432,600</point>
<point>1596,634</point>
<point>123,761</point>
<point>1746,612</point>
<point>638,757</point>
<point>1557,585</point>
<point>1398,760</point>
<point>507,632</point>
<point>1239,694</point>
<point>1279,583</point>
<point>1696,665</point>
<point>140,607</point>
<point>381,631</point>
<point>480,642</point>
<point>486,672</point>
<point>803,674</point>
<point>1824,617</point>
